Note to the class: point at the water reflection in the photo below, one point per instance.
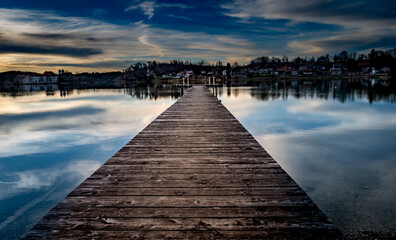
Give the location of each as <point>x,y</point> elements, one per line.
<point>335,140</point>
<point>371,90</point>
<point>51,142</point>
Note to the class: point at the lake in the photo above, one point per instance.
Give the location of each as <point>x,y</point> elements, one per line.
<point>335,139</point>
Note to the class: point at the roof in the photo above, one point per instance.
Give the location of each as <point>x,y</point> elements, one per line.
<point>49,73</point>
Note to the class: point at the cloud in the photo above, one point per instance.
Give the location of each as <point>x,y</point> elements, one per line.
<point>177,5</point>
<point>103,64</point>
<point>34,126</point>
<point>144,38</point>
<point>364,24</point>
<point>59,36</point>
<point>51,178</point>
<point>352,41</point>
<point>9,119</point>
<point>50,50</point>
<point>33,40</point>
<point>72,41</point>
<point>180,17</point>
<point>148,7</point>
<point>346,13</point>
<point>46,44</point>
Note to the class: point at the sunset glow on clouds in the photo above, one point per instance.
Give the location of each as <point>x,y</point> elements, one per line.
<point>87,35</point>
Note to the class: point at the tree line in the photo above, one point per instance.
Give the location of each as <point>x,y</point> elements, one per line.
<point>353,62</point>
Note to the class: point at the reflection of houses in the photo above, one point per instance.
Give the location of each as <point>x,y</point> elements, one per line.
<point>23,79</point>
<point>49,88</point>
<point>37,88</point>
<point>45,78</point>
<point>335,83</point>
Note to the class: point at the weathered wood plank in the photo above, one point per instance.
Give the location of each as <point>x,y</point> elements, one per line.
<point>289,233</point>
<point>121,169</point>
<point>174,224</point>
<point>160,212</point>
<point>186,191</point>
<point>194,172</point>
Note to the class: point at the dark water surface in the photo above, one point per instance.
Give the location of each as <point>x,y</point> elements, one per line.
<point>336,139</point>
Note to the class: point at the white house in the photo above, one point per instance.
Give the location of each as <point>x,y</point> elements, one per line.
<point>45,78</point>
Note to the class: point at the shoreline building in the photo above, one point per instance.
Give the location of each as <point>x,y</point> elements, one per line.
<point>47,77</point>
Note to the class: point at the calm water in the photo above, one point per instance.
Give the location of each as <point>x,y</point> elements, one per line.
<point>335,139</point>
<point>52,141</point>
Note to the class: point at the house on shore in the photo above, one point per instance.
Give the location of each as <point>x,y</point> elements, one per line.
<point>45,78</point>
<point>335,71</point>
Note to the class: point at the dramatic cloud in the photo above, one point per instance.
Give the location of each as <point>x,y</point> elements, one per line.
<point>99,36</point>
<point>352,41</point>
<point>365,24</point>
<point>67,51</point>
<point>87,43</point>
<point>346,13</point>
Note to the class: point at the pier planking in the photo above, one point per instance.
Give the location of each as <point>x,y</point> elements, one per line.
<point>194,172</point>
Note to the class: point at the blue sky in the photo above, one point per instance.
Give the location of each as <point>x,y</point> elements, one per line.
<point>88,35</point>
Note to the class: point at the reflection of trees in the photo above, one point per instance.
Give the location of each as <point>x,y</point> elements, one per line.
<point>235,91</point>
<point>341,90</point>
<point>29,90</point>
<point>154,92</point>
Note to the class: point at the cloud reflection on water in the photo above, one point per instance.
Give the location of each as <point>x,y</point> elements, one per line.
<point>37,179</point>
<point>342,154</point>
<point>50,144</point>
<point>35,124</point>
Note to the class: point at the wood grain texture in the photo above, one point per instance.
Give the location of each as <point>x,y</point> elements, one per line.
<point>194,173</point>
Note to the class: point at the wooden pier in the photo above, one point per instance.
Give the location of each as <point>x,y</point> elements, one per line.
<point>194,173</point>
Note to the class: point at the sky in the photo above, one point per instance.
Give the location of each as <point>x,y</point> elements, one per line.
<point>93,35</point>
